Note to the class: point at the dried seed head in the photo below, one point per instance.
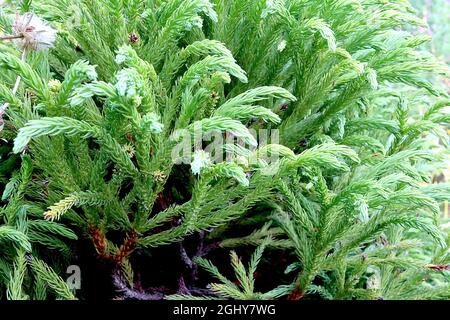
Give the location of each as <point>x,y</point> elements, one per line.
<point>35,33</point>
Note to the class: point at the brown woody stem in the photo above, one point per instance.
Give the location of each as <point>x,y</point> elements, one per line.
<point>10,37</point>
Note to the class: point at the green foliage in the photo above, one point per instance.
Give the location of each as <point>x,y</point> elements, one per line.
<point>22,237</point>
<point>245,287</point>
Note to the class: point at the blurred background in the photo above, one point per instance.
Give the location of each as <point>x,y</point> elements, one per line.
<point>437,14</point>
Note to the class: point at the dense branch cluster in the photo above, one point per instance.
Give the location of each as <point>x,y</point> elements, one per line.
<point>341,193</point>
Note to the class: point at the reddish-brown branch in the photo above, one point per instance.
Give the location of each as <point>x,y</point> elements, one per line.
<point>127,247</point>
<point>296,294</point>
<point>439,267</point>
<point>125,250</point>
<point>99,240</point>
